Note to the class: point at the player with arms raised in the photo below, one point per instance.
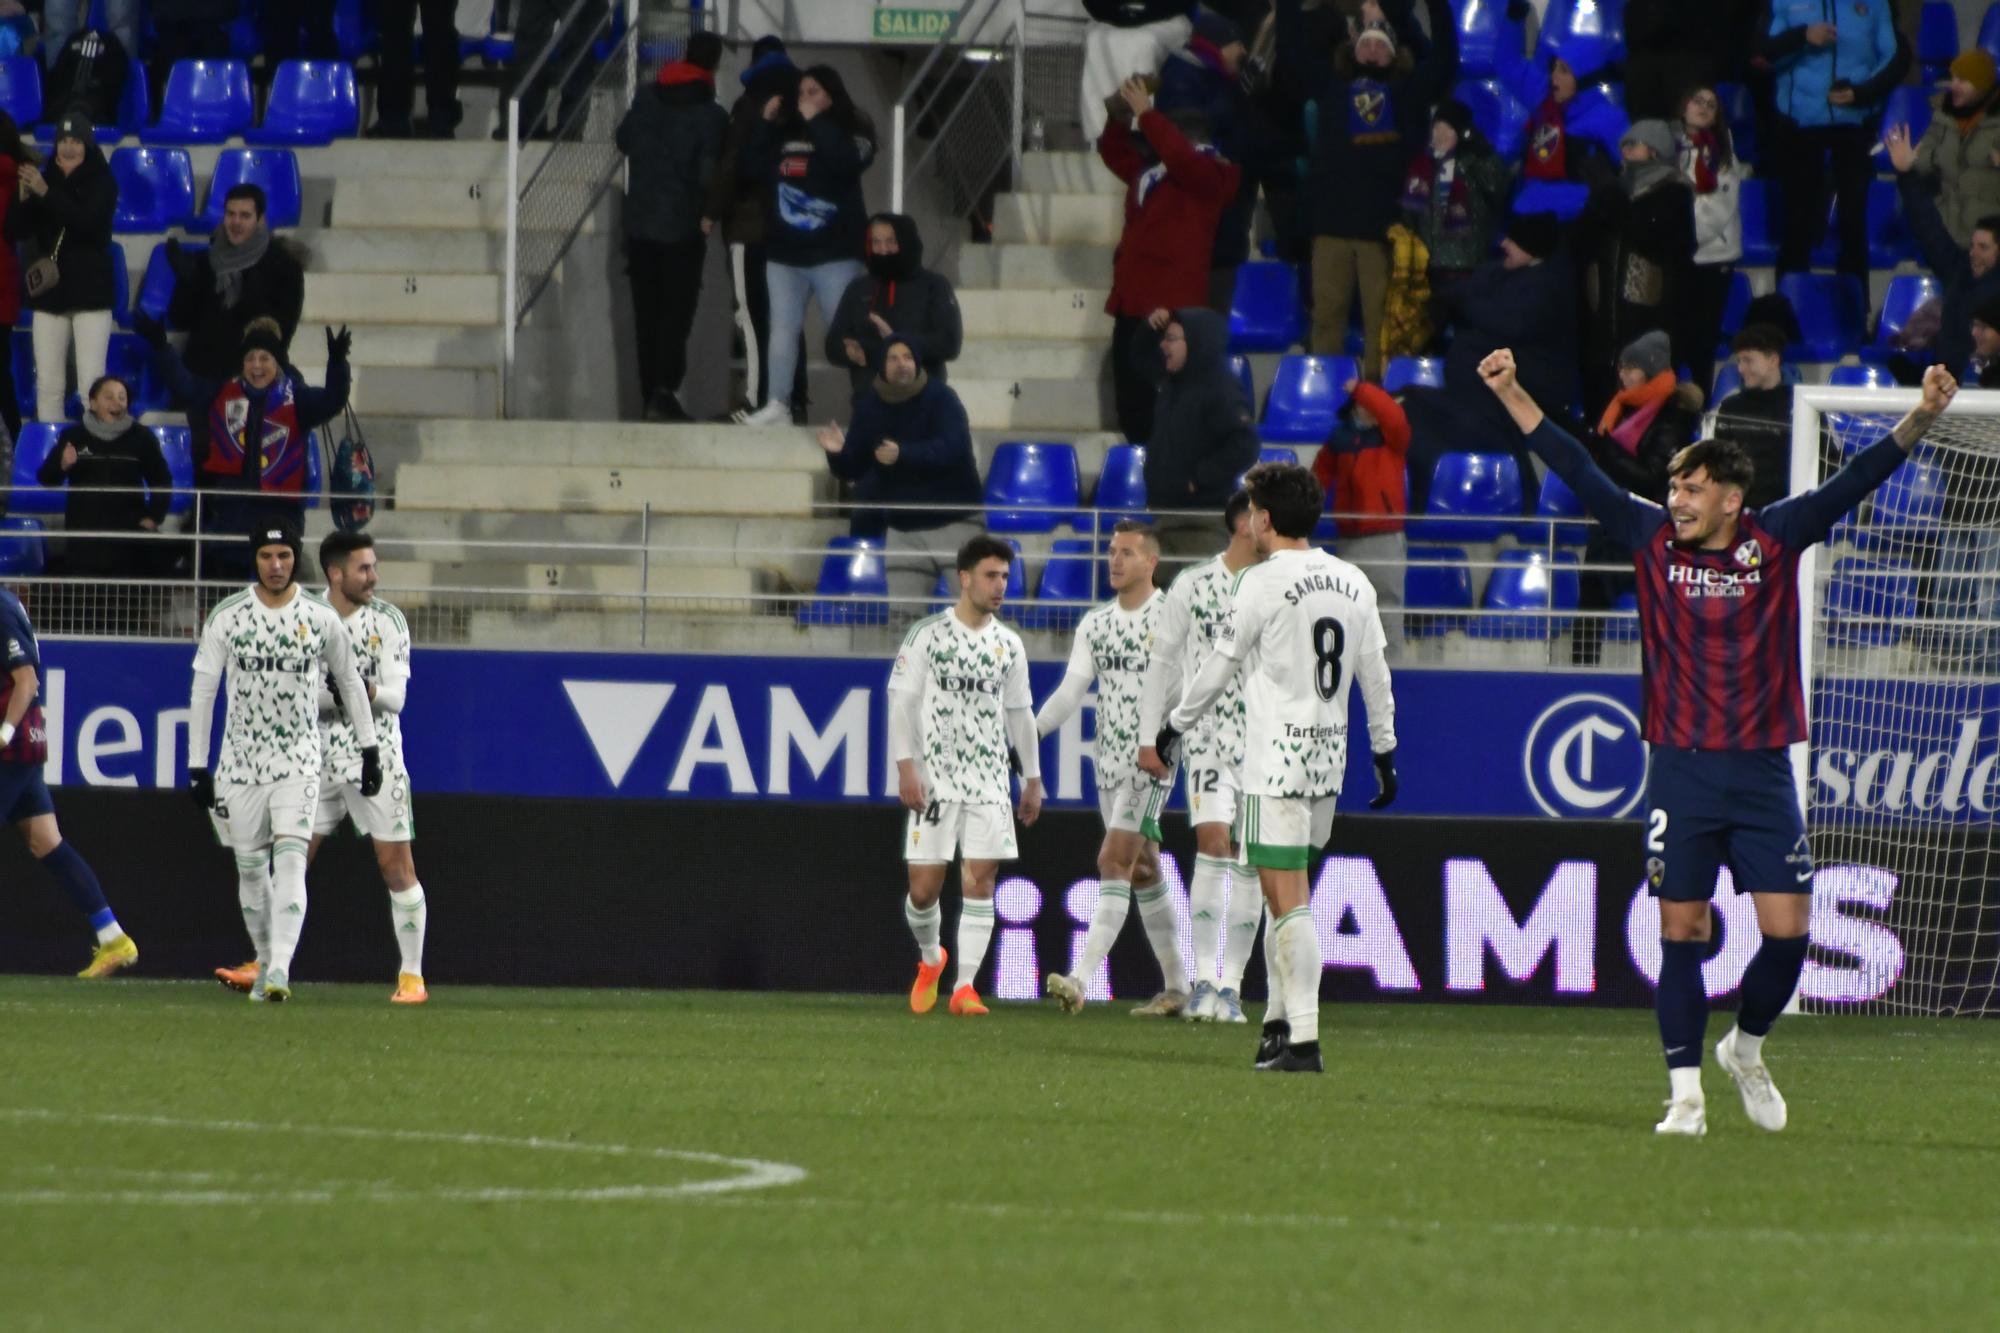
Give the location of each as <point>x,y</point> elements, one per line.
<point>1723,701</point>
<point>1114,647</point>
<point>277,642</point>
<point>1192,615</point>
<point>958,705</point>
<point>1303,628</point>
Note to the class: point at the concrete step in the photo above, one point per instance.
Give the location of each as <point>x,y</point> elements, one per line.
<point>786,552</point>
<point>620,444</point>
<point>458,204</point>
<point>1041,315</point>
<point>1035,359</point>
<point>475,347</point>
<point>404,250</point>
<point>665,490</point>
<point>417,391</point>
<point>672,581</point>
<point>1068,173</point>
<point>1039,404</point>
<point>451,298</point>
<point>1052,219</point>
<point>1015,266</point>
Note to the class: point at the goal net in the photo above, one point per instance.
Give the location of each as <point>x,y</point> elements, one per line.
<point>1902,668</point>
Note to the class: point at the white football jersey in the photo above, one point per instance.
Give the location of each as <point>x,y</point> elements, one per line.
<point>1304,625</point>
<point>1116,646</point>
<point>1197,607</point>
<point>276,660</point>
<point>965,679</point>
<point>380,638</point>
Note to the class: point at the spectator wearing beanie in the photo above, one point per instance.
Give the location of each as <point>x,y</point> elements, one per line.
<point>1362,468</point>
<point>1636,243</point>
<point>1707,158</point>
<point>1573,128</point>
<point>1959,155</point>
<point>1651,417</point>
<point>671,139</point>
<point>1983,369</point>
<point>65,215</point>
<point>1454,196</point>
<point>1758,416</point>
<point>1126,38</point>
<point>1206,76</point>
<point>896,295</point>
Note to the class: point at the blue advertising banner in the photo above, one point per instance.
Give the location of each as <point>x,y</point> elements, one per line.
<point>649,727</point>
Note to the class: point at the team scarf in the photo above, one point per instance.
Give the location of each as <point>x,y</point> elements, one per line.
<point>1431,177</point>
<point>1547,155</point>
<point>1371,113</point>
<point>1156,173</point>
<point>280,461</point>
<point>1704,152</point>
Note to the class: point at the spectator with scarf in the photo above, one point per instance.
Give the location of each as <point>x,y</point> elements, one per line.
<point>244,274</point>
<point>1636,244</point>
<point>1707,157</point>
<point>1960,153</point>
<point>1454,196</point>
<point>118,483</point>
<point>64,216</point>
<point>896,295</point>
<point>1573,128</point>
<point>1648,420</point>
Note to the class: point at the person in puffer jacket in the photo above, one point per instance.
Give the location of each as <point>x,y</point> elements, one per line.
<point>1363,468</point>
<point>1707,157</point>
<point>1960,152</point>
<point>896,295</point>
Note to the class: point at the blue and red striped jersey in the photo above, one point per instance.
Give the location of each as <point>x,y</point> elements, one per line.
<point>17,638</point>
<point>1719,630</point>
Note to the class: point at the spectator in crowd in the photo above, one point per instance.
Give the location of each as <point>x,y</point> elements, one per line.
<point>1370,116</point>
<point>909,443</point>
<point>14,154</point>
<point>1984,367</point>
<point>1707,158</point>
<point>188,30</point>
<point>1650,419</point>
<point>812,152</point>
<point>1273,137</point>
<point>63,19</point>
<point>1636,243</point>
<point>1204,429</point>
<point>1758,416</point>
<point>739,200</point>
<point>1834,64</point>
<point>535,23</point>
<point>1205,76</point>
<point>300,30</point>
<point>64,218</point>
<point>118,483</point>
<point>1177,187</point>
<point>1970,276</point>
<point>1454,196</point>
<point>1960,153</point>
<point>671,139</point>
<point>396,79</point>
<point>88,75</point>
<point>1671,46</point>
<point>896,295</point>
<point>1362,469</point>
<point>245,273</point>
<point>1126,38</point>
<point>1573,128</point>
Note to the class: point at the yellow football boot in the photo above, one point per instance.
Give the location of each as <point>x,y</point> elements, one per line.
<point>111,956</point>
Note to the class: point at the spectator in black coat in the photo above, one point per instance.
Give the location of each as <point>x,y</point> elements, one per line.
<point>1204,430</point>
<point>65,216</point>
<point>1205,76</point>
<point>1636,244</point>
<point>1652,417</point>
<point>1671,46</point>
<point>1758,416</point>
<point>1971,277</point>
<point>396,82</point>
<point>910,444</point>
<point>896,295</point>
<point>672,138</point>
<point>105,460</point>
<point>245,273</point>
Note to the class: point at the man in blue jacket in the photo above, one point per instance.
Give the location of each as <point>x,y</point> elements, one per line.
<point>1833,63</point>
<point>910,444</point>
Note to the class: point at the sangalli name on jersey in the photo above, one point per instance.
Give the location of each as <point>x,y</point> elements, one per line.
<point>1312,583</point>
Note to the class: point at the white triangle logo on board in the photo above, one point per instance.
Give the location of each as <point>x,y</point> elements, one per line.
<point>617,715</point>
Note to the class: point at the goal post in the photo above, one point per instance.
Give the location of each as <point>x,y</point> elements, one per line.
<point>1900,655</point>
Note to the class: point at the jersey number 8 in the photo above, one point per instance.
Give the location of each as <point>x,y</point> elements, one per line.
<point>1329,642</point>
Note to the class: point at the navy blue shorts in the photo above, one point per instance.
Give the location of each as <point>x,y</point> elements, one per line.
<point>1709,808</point>
<point>23,794</point>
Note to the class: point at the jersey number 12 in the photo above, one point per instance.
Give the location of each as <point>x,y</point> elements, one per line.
<point>1329,642</point>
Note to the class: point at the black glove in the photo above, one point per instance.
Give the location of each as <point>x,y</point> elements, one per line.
<point>201,788</point>
<point>1013,761</point>
<point>338,344</point>
<point>339,700</point>
<point>152,330</point>
<point>1385,780</point>
<point>371,770</point>
<point>1168,745</point>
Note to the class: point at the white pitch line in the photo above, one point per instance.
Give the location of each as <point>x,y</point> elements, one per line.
<point>751,1173</point>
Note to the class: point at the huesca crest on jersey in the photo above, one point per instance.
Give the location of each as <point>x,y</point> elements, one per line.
<point>1750,554</point>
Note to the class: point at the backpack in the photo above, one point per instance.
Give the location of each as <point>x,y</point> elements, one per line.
<point>89,76</point>
<point>351,478</point>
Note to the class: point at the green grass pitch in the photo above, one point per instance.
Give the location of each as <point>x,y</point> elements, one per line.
<point>172,1158</point>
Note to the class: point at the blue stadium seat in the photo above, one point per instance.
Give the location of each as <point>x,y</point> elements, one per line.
<point>156,285</point>
<point>134,106</point>
<point>354,29</point>
<point>1903,513</point>
<point>1832,311</point>
<point>1032,487</point>
<point>30,496</point>
<point>1621,630</point>
<point>1741,113</point>
<point>1275,454</point>
<point>1862,591</point>
<point>1488,41</point>
<point>1471,495</point>
<point>276,170</point>
<point>1265,312</point>
<point>1861,377</point>
<point>1121,486</point>
<point>1495,110</point>
<point>1558,197</point>
<point>1760,233</point>
<point>1558,501</point>
<point>852,567</point>
<point>130,359</point>
<point>312,102</point>
<point>1404,371</point>
<point>1734,308</point>
<point>21,89</point>
<point>1988,39</point>
<point>1239,366</point>
<point>1937,38</point>
<point>1436,579</point>
<point>206,101</point>
<point>1527,582</point>
<point>179,450</point>
<point>1908,104</point>
<point>155,189</point>
<point>22,554</point>
<point>1306,396</point>
<point>1727,381</point>
<point>1889,240</point>
<point>1587,34</point>
<point>1069,576</point>
<point>1906,292</point>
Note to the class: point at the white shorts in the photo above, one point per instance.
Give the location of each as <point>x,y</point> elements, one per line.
<point>1134,806</point>
<point>248,817</point>
<point>1282,832</point>
<point>945,829</point>
<point>1212,791</point>
<point>386,816</point>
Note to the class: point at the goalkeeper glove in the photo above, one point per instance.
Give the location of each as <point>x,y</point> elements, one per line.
<point>371,770</point>
<point>201,788</point>
<point>1385,780</point>
<point>1168,744</point>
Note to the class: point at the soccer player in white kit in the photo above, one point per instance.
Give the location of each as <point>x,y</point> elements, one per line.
<point>1303,628</point>
<point>277,642</point>
<point>380,638</point>
<point>958,706</point>
<point>1114,646</point>
<point>1224,915</point>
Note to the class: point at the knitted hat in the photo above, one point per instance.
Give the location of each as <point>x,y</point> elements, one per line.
<point>1655,135</point>
<point>1537,233</point>
<point>262,335</point>
<point>1649,353</point>
<point>76,125</point>
<point>1976,68</point>
<point>1377,31</point>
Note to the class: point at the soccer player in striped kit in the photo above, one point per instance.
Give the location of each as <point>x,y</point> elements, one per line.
<point>1723,700</point>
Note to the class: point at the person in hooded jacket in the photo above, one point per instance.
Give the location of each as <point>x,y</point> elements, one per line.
<point>1363,468</point>
<point>671,139</point>
<point>896,295</point>
<point>910,443</point>
<point>1960,153</point>
<point>1706,155</point>
<point>65,215</point>
<point>1636,244</point>
<point>1573,128</point>
<point>1204,430</point>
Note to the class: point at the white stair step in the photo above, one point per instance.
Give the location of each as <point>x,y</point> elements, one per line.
<point>406,298</point>
<point>620,444</point>
<point>1050,219</point>
<point>474,347</point>
<point>418,391</point>
<point>783,550</point>
<point>1032,314</point>
<point>665,490</point>
<point>386,201</point>
<point>1036,404</point>
<point>1068,173</point>
<point>1035,359</point>
<point>581,576</point>
<point>1015,266</point>
<point>419,159</point>
<point>404,250</point>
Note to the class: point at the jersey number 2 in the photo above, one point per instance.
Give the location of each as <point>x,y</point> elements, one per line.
<point>1329,642</point>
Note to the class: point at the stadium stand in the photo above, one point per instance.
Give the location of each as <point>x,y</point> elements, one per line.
<point>1472,496</point>
<point>1306,396</point>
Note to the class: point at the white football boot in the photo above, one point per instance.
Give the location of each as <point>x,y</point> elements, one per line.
<point>1762,1101</point>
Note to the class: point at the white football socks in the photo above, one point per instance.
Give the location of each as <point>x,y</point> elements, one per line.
<point>1748,1049</point>
<point>975,931</point>
<point>924,925</point>
<point>288,901</point>
<point>1246,909</point>
<point>1114,902</point>
<point>1208,890</point>
<point>1298,948</point>
<point>1685,1083</point>
<point>410,915</point>
<point>1163,932</point>
<point>1274,987</point>
<point>253,894</point>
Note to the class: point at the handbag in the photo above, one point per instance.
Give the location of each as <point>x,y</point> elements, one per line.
<point>352,476</point>
<point>43,275</point>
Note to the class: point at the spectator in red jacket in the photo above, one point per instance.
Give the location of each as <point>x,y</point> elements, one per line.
<point>1177,186</point>
<point>1361,467</point>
